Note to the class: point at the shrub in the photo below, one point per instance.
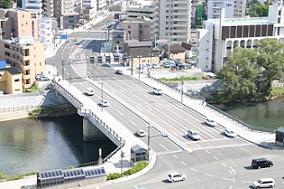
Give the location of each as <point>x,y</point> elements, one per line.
<point>113,176</point>
<point>136,168</point>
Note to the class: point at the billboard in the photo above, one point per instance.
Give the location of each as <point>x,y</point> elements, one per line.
<point>3,64</point>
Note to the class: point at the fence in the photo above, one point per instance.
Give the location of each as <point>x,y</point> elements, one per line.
<point>18,108</point>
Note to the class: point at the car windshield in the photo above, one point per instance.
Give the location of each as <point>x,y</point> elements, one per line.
<point>259,181</point>
<point>209,120</point>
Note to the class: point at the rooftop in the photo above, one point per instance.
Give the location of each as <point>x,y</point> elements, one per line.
<point>134,43</point>
<point>13,70</point>
<point>141,4</point>
<point>242,21</point>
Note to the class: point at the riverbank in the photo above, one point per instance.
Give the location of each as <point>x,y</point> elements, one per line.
<point>52,111</point>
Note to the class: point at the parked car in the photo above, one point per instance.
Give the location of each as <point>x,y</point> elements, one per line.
<point>118,72</point>
<point>168,63</point>
<point>193,135</point>
<point>264,183</point>
<point>175,177</point>
<point>89,92</point>
<point>261,163</point>
<point>157,91</point>
<point>210,123</point>
<point>140,133</point>
<point>104,103</point>
<point>229,133</point>
<point>41,77</point>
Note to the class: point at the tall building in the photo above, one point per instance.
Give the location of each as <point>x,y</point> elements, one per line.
<point>102,5</point>
<point>137,29</point>
<point>149,9</point>
<point>18,23</point>
<point>220,37</point>
<point>26,55</point>
<point>33,5</point>
<point>89,3</point>
<point>233,8</point>
<point>175,20</point>
<point>48,8</point>
<point>46,31</point>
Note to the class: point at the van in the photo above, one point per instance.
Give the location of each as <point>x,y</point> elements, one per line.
<point>264,183</point>
<point>261,163</point>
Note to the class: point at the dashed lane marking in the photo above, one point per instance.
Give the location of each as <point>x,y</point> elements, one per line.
<point>231,187</point>
<point>246,181</point>
<point>233,170</point>
<point>133,123</point>
<point>168,152</point>
<point>224,164</point>
<point>207,174</point>
<point>225,178</point>
<point>195,170</point>
<point>165,148</point>
<point>215,158</point>
<point>182,162</point>
<point>175,156</point>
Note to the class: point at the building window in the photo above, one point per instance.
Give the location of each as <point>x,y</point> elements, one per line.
<point>26,52</point>
<point>27,81</point>
<point>27,63</point>
<point>27,72</point>
<point>16,80</point>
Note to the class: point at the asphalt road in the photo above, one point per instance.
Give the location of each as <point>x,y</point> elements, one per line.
<point>216,162</point>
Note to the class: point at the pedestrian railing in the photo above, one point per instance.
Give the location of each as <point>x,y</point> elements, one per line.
<point>18,108</point>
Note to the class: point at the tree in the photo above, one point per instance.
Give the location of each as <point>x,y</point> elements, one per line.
<point>5,3</point>
<point>257,9</point>
<point>271,59</point>
<point>239,75</point>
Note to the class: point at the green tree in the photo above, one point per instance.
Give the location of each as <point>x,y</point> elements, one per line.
<point>5,3</point>
<point>239,75</point>
<point>257,9</point>
<point>271,59</point>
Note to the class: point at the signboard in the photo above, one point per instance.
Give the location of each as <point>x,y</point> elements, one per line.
<point>3,64</point>
<point>63,36</point>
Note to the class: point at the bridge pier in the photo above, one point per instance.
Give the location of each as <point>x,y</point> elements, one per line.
<point>91,132</point>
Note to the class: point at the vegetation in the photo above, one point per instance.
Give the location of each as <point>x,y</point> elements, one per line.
<point>257,9</point>
<point>183,78</point>
<point>136,168</point>
<point>249,73</point>
<point>34,88</point>
<point>277,92</point>
<point>5,177</point>
<point>6,4</point>
<point>53,111</point>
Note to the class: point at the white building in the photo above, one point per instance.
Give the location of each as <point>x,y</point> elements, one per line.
<point>33,5</point>
<point>46,33</point>
<point>222,36</point>
<point>89,4</point>
<point>233,8</point>
<point>175,20</point>
<point>102,5</point>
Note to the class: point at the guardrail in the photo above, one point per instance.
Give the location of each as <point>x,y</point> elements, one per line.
<point>217,109</point>
<point>17,108</point>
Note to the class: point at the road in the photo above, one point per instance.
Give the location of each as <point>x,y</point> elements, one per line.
<point>216,162</point>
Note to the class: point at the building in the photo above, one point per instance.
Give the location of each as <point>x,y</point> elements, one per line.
<point>48,8</point>
<point>221,37</point>
<point>46,31</point>
<point>18,23</point>
<point>33,5</point>
<point>11,80</point>
<point>89,14</point>
<point>27,56</point>
<point>137,29</point>
<point>89,4</point>
<point>175,20</point>
<point>147,9</point>
<point>102,5</point>
<point>233,8</point>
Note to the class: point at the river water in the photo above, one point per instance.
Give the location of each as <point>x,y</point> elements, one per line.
<point>268,115</point>
<point>28,145</point>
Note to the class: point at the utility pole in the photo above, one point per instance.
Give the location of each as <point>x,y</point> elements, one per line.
<point>148,141</point>
<point>182,82</point>
<point>139,67</point>
<point>121,161</point>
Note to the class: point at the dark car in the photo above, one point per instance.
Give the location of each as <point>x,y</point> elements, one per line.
<point>118,72</point>
<point>261,163</point>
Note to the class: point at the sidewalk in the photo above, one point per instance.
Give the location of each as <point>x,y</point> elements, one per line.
<point>257,137</point>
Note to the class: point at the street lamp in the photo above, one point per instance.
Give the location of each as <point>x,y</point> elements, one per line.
<point>102,95</point>
<point>148,141</point>
<point>139,66</point>
<point>121,161</point>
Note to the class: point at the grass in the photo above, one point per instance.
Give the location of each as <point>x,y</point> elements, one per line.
<point>277,92</point>
<point>183,78</point>
<point>136,168</point>
<point>5,177</point>
<point>33,88</point>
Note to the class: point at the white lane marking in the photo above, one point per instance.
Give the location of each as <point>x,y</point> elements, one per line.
<point>233,179</point>
<point>233,170</point>
<point>225,178</point>
<point>164,147</point>
<point>207,151</point>
<point>231,173</point>
<point>215,158</point>
<point>120,113</point>
<point>193,169</point>
<point>175,156</point>
<point>231,187</point>
<point>224,164</point>
<point>224,146</point>
<point>207,174</point>
<point>182,162</point>
<point>133,123</point>
<point>168,152</point>
<point>245,181</point>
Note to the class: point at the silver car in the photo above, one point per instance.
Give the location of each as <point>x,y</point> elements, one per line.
<point>193,135</point>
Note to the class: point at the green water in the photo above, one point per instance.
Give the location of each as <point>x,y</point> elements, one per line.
<point>269,115</point>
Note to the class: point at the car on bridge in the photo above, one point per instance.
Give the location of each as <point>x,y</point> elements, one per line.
<point>210,123</point>
<point>89,92</point>
<point>118,72</point>
<point>140,133</point>
<point>157,91</point>
<point>175,177</point>
<point>104,103</point>
<point>229,133</point>
<point>193,135</point>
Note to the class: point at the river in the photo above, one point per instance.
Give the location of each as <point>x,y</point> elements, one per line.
<point>268,115</point>
<point>29,145</point>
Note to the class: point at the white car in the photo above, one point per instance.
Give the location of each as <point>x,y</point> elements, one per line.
<point>141,133</point>
<point>229,133</point>
<point>210,123</point>
<point>89,92</point>
<point>175,177</point>
<point>157,91</point>
<point>104,103</point>
<point>193,135</point>
<point>264,183</point>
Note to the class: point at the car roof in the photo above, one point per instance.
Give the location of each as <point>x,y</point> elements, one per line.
<point>260,159</point>
<point>190,130</point>
<point>266,179</point>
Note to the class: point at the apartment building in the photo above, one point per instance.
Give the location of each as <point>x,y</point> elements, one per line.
<point>48,8</point>
<point>175,20</point>
<point>33,5</point>
<point>145,9</point>
<point>89,4</point>
<point>11,80</point>
<point>137,29</point>
<point>102,5</point>
<point>233,8</point>
<point>18,23</point>
<point>27,56</point>
<point>46,31</point>
<point>221,37</point>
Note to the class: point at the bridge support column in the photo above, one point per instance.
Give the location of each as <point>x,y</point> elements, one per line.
<point>91,132</point>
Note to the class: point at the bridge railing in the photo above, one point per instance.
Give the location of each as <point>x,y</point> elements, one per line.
<point>17,108</point>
